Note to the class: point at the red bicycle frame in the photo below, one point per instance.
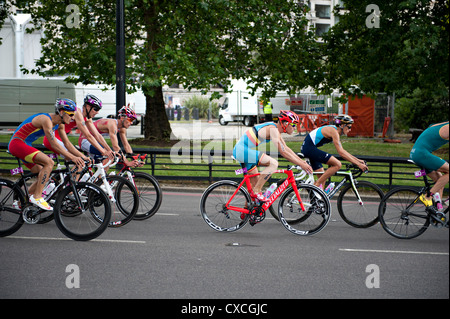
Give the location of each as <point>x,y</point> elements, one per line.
<point>280,189</point>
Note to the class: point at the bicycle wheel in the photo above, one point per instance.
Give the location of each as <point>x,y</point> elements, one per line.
<point>11,202</point>
<point>127,200</point>
<point>214,212</point>
<point>150,195</point>
<point>360,214</point>
<point>88,221</point>
<point>402,215</point>
<point>317,210</point>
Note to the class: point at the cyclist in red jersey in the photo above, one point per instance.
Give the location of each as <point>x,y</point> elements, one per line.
<point>111,127</point>
<point>33,128</point>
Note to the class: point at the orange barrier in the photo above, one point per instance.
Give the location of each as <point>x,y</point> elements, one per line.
<point>309,122</point>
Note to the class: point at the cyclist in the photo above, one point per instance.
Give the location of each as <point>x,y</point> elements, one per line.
<point>435,136</point>
<point>250,158</point>
<point>83,121</point>
<point>327,134</point>
<point>35,127</point>
<point>125,117</point>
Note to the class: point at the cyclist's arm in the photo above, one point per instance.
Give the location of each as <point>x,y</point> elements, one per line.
<point>286,152</point>
<point>68,144</point>
<point>344,154</point>
<point>98,139</point>
<point>123,138</point>
<point>82,126</point>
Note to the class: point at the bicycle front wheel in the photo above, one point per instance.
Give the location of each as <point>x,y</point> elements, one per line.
<point>12,201</point>
<point>214,210</point>
<point>364,213</point>
<point>150,195</point>
<point>315,216</point>
<point>86,221</point>
<point>402,215</point>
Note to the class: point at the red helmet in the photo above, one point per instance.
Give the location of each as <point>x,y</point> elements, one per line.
<point>289,116</point>
<point>128,112</point>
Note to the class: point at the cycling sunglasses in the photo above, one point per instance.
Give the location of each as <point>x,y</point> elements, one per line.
<point>71,114</point>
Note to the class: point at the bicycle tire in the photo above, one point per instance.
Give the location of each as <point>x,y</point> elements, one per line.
<point>212,206</point>
<point>360,215</point>
<point>311,221</point>
<point>398,219</point>
<point>127,200</point>
<point>10,217</point>
<point>149,193</point>
<point>86,222</point>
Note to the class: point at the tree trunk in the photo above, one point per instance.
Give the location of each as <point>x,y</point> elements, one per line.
<point>157,126</point>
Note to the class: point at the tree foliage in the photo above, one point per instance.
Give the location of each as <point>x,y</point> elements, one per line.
<point>408,51</point>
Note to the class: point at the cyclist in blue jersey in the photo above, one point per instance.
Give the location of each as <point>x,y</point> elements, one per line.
<point>251,158</point>
<point>435,136</point>
<point>327,134</point>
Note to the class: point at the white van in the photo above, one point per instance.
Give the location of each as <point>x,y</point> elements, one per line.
<point>21,98</point>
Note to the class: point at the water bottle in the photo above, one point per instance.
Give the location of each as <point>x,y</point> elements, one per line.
<point>329,188</point>
<point>85,177</point>
<point>270,190</point>
<point>48,189</point>
<point>112,173</point>
<point>438,201</point>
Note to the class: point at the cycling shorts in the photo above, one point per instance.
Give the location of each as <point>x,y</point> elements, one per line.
<point>248,157</point>
<point>86,146</point>
<point>316,156</point>
<point>22,150</point>
<point>426,159</point>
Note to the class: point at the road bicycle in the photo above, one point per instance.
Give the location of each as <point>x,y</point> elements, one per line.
<point>303,209</point>
<point>403,215</point>
<point>358,200</point>
<point>121,192</point>
<point>148,188</point>
<point>82,211</point>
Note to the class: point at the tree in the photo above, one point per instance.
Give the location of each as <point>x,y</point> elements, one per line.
<point>197,43</point>
<point>407,51</point>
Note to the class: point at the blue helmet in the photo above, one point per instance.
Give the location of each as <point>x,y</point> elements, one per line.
<point>65,105</point>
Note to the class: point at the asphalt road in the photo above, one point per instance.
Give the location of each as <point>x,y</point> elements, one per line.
<point>175,254</point>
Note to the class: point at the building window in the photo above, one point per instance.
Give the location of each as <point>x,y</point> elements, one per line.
<point>321,28</point>
<point>323,11</point>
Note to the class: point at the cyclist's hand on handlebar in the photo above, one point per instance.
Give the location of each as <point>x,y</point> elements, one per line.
<point>306,167</point>
<point>79,162</point>
<point>363,166</point>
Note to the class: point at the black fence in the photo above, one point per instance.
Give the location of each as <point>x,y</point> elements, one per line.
<point>185,164</point>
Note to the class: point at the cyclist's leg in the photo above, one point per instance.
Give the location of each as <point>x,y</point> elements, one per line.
<point>442,180</point>
<point>333,166</point>
<point>270,165</point>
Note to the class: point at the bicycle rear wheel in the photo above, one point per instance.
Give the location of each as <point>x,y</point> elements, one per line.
<point>88,221</point>
<point>150,195</point>
<point>213,206</point>
<point>354,213</point>
<point>11,202</point>
<point>317,210</point>
<point>402,215</point>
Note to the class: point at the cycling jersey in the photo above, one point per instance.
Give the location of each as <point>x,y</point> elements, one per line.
<point>310,146</point>
<point>20,143</point>
<point>426,143</point>
<point>243,151</point>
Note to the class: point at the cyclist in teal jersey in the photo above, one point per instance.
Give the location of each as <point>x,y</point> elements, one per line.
<point>434,137</point>
<point>324,135</point>
<point>251,158</point>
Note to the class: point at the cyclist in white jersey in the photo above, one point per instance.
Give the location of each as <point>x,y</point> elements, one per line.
<point>327,134</point>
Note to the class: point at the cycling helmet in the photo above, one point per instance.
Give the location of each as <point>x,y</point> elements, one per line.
<point>343,119</point>
<point>93,101</point>
<point>289,116</point>
<point>65,105</point>
<point>128,112</point>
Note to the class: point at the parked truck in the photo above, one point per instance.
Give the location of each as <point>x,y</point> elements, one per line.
<point>241,106</point>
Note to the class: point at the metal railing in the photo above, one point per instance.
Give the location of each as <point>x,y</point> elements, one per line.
<point>210,165</point>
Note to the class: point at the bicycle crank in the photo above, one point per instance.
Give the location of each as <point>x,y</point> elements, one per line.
<point>257,215</point>
<point>31,214</point>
